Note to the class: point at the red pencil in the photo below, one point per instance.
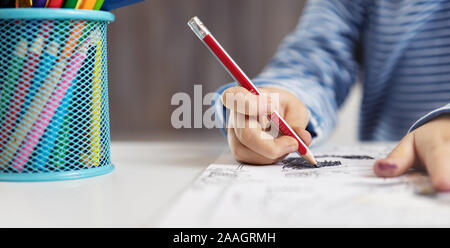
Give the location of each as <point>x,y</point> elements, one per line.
<point>9,121</point>
<point>55,4</point>
<point>235,71</point>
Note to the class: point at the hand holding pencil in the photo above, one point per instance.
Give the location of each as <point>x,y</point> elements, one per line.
<point>272,152</point>
<point>248,140</point>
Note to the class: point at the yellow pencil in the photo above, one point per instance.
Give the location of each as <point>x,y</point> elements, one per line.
<point>96,104</point>
<point>78,4</point>
<point>92,155</point>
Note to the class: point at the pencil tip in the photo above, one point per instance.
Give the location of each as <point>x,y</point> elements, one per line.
<point>310,158</point>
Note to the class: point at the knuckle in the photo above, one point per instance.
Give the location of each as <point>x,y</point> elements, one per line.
<point>231,97</point>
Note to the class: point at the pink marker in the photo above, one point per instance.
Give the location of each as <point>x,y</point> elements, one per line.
<point>47,113</point>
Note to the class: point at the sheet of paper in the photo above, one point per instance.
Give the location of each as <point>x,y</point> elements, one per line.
<point>230,194</point>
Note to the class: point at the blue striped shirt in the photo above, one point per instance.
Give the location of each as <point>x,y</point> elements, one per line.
<point>403,64</point>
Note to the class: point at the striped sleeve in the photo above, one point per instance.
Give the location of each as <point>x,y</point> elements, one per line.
<point>316,62</point>
<point>433,114</point>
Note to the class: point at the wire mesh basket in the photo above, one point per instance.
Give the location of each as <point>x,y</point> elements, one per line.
<point>54,115</point>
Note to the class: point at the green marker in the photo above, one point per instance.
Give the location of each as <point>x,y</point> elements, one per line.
<point>73,4</point>
<point>98,4</point>
<point>62,144</point>
<point>14,70</point>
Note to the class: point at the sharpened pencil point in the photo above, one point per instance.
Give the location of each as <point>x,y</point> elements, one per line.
<point>310,158</point>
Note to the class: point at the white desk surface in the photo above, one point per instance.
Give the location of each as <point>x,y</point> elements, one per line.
<point>146,178</point>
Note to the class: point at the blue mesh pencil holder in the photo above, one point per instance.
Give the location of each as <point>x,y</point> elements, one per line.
<point>54,115</point>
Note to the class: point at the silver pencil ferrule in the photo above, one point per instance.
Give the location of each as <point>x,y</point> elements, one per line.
<point>198,27</point>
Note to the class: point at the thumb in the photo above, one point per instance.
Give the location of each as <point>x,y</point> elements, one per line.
<point>399,160</point>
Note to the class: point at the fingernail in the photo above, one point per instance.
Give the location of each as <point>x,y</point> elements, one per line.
<point>291,149</point>
<point>387,166</point>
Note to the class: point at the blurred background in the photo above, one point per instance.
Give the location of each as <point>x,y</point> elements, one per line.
<point>153,55</point>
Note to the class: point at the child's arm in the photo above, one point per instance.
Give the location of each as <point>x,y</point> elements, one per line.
<point>433,114</point>
<point>316,62</point>
<point>426,145</point>
<point>312,72</point>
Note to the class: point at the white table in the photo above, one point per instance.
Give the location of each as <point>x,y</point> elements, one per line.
<point>147,177</point>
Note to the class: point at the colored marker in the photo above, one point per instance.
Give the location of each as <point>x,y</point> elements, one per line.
<point>72,4</point>
<point>24,3</point>
<point>96,101</point>
<point>13,71</point>
<point>236,72</point>
<point>109,5</point>
<point>62,143</point>
<point>45,64</point>
<point>16,104</point>
<point>54,3</point>
<point>48,142</point>
<point>91,156</point>
<point>73,39</point>
<point>77,31</point>
<point>98,4</point>
<point>31,114</point>
<point>88,4</point>
<point>40,3</point>
<point>39,127</point>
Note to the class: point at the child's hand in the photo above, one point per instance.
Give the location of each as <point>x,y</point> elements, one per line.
<point>247,126</point>
<point>428,146</point>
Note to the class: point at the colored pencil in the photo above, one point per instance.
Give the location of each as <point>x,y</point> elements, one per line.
<point>87,4</point>
<point>61,149</point>
<point>14,69</point>
<point>45,64</point>
<point>24,3</point>
<point>90,155</point>
<point>48,112</point>
<point>39,3</point>
<point>16,104</point>
<point>72,4</point>
<point>96,102</point>
<point>98,4</point>
<point>31,114</point>
<point>109,5</point>
<point>54,3</point>
<point>49,141</point>
<point>73,39</point>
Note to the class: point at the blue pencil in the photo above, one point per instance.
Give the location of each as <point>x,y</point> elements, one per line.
<point>40,3</point>
<point>48,141</point>
<point>109,5</point>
